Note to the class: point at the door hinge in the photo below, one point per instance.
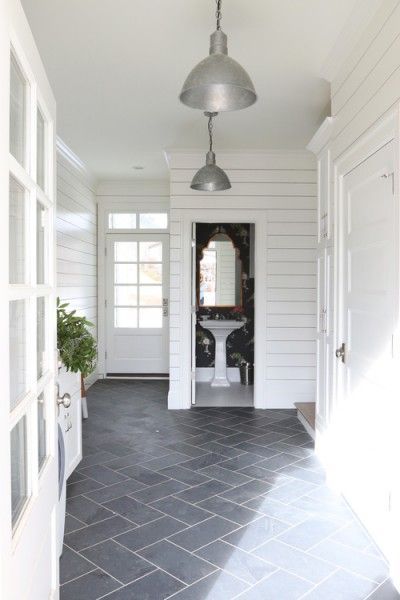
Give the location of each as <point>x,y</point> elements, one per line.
<point>341,353</point>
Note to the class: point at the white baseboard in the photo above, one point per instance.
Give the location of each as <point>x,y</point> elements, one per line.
<point>205,374</point>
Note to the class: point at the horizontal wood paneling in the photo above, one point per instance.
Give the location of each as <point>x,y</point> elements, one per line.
<point>76,231</point>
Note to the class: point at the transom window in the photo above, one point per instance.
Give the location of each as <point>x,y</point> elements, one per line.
<point>128,221</point>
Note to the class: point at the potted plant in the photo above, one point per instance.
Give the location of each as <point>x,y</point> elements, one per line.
<point>76,346</point>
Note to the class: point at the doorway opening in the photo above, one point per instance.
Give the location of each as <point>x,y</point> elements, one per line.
<point>223,315</point>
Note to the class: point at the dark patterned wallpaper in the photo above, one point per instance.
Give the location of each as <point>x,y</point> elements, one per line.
<point>240,344</point>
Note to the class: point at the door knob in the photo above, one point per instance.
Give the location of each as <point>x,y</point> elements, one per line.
<point>341,353</point>
<point>64,400</point>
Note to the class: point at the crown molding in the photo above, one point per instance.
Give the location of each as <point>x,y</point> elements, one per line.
<point>322,136</point>
<point>359,19</point>
<point>75,164</point>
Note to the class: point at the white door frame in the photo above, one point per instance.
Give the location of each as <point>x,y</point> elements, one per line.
<point>259,218</point>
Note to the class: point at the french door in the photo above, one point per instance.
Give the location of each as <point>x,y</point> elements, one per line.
<point>29,463</point>
<point>137,274</point>
<point>368,360</point>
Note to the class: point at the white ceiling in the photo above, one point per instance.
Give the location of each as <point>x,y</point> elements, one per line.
<point>117,66</point>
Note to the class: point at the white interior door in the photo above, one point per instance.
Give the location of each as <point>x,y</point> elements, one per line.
<point>137,267</point>
<point>29,464</point>
<point>370,401</point>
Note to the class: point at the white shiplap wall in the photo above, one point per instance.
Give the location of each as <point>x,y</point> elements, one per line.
<point>76,227</point>
<point>281,188</point>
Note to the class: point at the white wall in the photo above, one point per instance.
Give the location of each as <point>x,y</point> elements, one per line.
<point>281,188</point>
<point>76,227</point>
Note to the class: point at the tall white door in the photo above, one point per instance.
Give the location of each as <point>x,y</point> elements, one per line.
<point>368,366</point>
<point>137,300</point>
<point>28,426</point>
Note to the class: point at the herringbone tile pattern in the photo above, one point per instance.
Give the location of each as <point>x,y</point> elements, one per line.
<point>207,504</point>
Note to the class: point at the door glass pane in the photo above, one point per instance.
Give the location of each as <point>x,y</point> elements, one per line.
<point>125,251</point>
<point>17,222</point>
<point>40,168</point>
<point>17,112</point>
<point>153,221</point>
<point>150,318</point>
<point>41,431</point>
<point>125,317</point>
<point>150,251</point>
<point>150,295</point>
<point>150,273</point>
<point>40,242</point>
<point>41,336</point>
<point>17,351</point>
<point>125,295</point>
<point>125,273</point>
<point>18,469</point>
<point>122,221</point>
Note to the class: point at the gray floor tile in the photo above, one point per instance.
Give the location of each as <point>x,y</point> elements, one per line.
<point>184,511</point>
<point>219,448</point>
<point>155,586</point>
<point>83,487</point>
<point>283,512</point>
<point>185,475</point>
<point>225,475</point>
<point>353,535</point>
<point>386,591</point>
<point>118,561</point>
<point>338,511</point>
<point>279,460</point>
<point>203,461</point>
<point>262,451</point>
<point>316,477</point>
<point>177,562</point>
<point>203,533</point>
<point>203,491</point>
<point>256,533</point>
<point>290,491</point>
<point>242,461</point>
<point>156,464</point>
<point>144,475</point>
<point>241,564</point>
<point>217,586</point>
<point>86,510</point>
<point>186,448</point>
<point>258,472</point>
<point>115,491</point>
<point>343,585</point>
<point>72,524</point>
<point>295,561</point>
<point>362,564</point>
<point>229,510</point>
<point>156,492</point>
<point>88,587</point>
<point>103,474</point>
<point>96,458</point>
<point>246,491</point>
<point>150,533</point>
<point>310,532</point>
<point>279,585</point>
<point>133,510</point>
<point>73,565</point>
<point>93,534</point>
<point>133,458</point>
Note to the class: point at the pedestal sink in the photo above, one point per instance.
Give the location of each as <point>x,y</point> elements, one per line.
<point>220,330</point>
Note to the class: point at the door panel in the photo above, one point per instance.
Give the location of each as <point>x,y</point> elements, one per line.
<point>369,264</point>
<point>137,268</point>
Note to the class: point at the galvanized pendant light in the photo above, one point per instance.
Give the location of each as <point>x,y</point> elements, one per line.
<point>218,83</point>
<point>210,178</point>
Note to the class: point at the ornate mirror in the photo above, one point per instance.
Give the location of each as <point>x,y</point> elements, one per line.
<point>220,273</point>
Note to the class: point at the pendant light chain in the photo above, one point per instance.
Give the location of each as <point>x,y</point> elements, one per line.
<point>218,14</point>
<point>210,130</point>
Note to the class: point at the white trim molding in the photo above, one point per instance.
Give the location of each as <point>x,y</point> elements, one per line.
<point>322,136</point>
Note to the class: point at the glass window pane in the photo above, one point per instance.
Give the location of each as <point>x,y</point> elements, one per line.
<point>150,295</point>
<point>17,112</point>
<point>125,317</point>
<point>19,491</point>
<point>17,220</point>
<point>150,318</point>
<point>122,221</point>
<point>41,336</point>
<point>150,251</point>
<point>125,295</point>
<point>41,431</point>
<point>153,221</point>
<point>40,164</point>
<point>150,273</point>
<point>40,242</point>
<point>125,273</point>
<point>125,251</point>
<point>17,351</point>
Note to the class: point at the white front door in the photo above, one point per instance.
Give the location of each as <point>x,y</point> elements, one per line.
<point>137,274</point>
<point>369,401</point>
<point>28,419</point>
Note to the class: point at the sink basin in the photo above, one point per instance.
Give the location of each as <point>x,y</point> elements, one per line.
<point>220,329</point>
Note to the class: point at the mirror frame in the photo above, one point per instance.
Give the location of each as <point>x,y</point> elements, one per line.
<point>201,256</point>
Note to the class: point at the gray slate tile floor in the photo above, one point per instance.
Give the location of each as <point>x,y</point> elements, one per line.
<point>207,504</point>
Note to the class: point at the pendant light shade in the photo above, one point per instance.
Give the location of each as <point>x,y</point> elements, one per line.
<point>210,178</point>
<point>218,83</point>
